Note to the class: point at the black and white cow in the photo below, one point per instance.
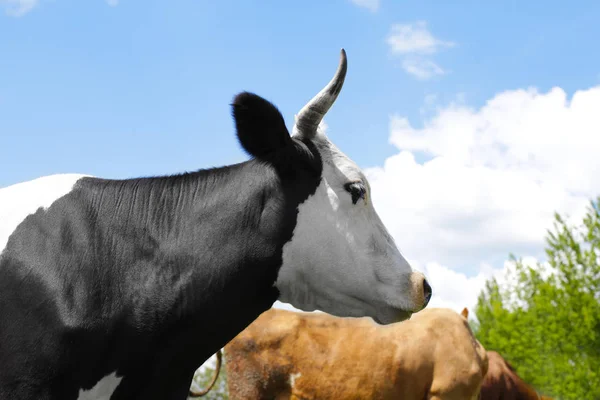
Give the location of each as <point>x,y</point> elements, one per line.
<point>120,289</point>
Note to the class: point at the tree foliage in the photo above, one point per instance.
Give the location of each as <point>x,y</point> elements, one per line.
<point>546,322</point>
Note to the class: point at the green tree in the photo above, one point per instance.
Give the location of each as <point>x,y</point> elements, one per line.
<point>204,377</point>
<point>547,321</point>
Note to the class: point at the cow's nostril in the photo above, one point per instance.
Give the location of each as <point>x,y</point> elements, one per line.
<point>426,292</point>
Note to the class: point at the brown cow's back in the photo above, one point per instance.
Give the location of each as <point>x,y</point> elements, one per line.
<point>289,355</point>
<point>502,382</point>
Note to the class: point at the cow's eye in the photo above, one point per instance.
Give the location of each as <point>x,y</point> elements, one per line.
<point>357,190</point>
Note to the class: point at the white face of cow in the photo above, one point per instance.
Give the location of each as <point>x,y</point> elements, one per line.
<point>341,259</point>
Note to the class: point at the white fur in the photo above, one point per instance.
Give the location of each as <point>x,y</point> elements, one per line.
<point>341,259</point>
<point>102,390</point>
<point>293,378</point>
<point>22,199</point>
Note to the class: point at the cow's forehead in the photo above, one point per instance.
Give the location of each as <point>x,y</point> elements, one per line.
<point>336,164</point>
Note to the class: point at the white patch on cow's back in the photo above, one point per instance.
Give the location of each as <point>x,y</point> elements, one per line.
<point>293,378</point>
<point>103,389</point>
<point>22,199</point>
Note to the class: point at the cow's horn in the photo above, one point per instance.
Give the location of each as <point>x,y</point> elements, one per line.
<point>311,115</point>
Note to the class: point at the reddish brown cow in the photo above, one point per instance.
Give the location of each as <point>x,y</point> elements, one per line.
<point>291,355</point>
<point>502,382</point>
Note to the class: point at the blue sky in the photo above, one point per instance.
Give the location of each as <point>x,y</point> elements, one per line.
<point>143,87</point>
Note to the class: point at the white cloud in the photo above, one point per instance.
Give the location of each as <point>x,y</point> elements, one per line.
<point>414,39</point>
<point>495,177</point>
<point>112,3</point>
<point>416,44</point>
<point>456,290</point>
<point>371,5</point>
<point>284,306</point>
<point>18,8</point>
<point>421,68</point>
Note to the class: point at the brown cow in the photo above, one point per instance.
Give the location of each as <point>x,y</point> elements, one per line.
<point>291,355</point>
<point>502,382</point>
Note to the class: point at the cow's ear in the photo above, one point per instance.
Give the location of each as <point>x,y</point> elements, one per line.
<point>260,126</point>
<point>465,313</point>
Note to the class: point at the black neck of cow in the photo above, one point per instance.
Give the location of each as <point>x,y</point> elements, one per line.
<point>192,250</point>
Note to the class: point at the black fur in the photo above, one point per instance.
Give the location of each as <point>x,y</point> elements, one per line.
<point>150,276</point>
<point>260,126</point>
